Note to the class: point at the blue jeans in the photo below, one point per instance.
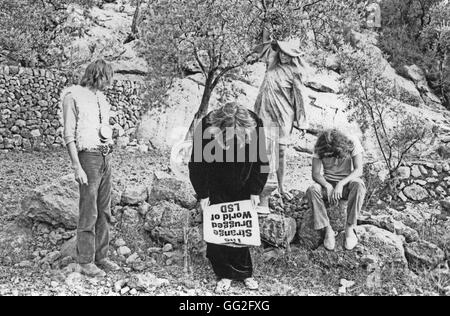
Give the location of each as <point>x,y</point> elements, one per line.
<point>93,233</point>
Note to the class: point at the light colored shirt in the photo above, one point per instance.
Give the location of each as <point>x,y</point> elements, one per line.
<point>70,114</point>
<point>336,169</point>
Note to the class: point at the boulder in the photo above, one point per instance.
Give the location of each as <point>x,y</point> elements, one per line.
<point>135,195</point>
<point>424,255</point>
<point>404,173</point>
<point>278,230</point>
<point>312,239</point>
<point>378,248</point>
<point>174,190</point>
<point>166,222</point>
<point>388,223</point>
<point>416,193</point>
<point>55,203</point>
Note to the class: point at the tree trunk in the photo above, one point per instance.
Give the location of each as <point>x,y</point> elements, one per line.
<point>204,106</point>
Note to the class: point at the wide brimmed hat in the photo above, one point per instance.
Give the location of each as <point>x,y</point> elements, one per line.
<point>290,48</point>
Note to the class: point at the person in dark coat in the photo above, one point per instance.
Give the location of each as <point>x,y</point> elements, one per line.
<point>220,175</point>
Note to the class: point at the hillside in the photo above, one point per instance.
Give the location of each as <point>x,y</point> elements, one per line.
<point>404,230</point>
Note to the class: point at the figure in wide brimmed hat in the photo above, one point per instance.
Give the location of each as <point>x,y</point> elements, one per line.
<point>280,105</point>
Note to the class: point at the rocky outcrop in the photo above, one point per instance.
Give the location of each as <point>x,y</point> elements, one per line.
<point>278,230</point>
<point>312,239</point>
<point>172,189</point>
<point>424,256</point>
<point>55,203</point>
<point>378,248</point>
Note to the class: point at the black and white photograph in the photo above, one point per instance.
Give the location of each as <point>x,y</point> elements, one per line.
<point>225,154</point>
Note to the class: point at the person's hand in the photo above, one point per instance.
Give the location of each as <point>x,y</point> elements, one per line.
<point>255,201</point>
<point>337,193</point>
<point>80,176</point>
<point>330,189</point>
<point>204,204</point>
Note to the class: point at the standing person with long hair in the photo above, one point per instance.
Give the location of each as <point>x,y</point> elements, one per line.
<point>338,165</point>
<point>280,105</point>
<point>229,164</point>
<point>88,137</point>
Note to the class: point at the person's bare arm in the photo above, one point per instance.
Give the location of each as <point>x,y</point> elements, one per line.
<point>70,117</point>
<point>358,172</point>
<point>319,178</point>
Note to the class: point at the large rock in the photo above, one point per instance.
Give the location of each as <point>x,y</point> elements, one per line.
<point>174,190</point>
<point>135,195</point>
<point>416,193</point>
<point>312,239</point>
<point>55,203</point>
<point>378,248</point>
<point>424,255</point>
<point>278,230</point>
<point>388,223</point>
<point>166,222</point>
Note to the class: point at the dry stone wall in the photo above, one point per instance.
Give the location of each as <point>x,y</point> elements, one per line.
<point>29,104</point>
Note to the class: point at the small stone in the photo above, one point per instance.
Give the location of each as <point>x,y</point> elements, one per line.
<point>120,243</point>
<point>132,259</point>
<point>423,170</point>
<point>119,285</point>
<point>415,172</point>
<point>154,250</point>
<point>403,197</point>
<point>416,193</point>
<point>124,251</point>
<point>421,182</point>
<point>440,190</point>
<point>404,173</point>
<point>133,292</point>
<point>167,248</point>
<point>125,290</point>
<point>432,180</point>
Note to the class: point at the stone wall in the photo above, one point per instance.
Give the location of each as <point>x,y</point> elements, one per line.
<point>424,181</point>
<point>29,105</point>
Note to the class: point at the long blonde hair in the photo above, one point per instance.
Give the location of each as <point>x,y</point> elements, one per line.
<point>97,74</point>
<point>234,118</point>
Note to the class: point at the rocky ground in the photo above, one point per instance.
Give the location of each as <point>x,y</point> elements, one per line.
<point>36,258</point>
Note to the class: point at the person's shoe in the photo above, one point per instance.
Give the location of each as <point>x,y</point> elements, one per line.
<point>263,210</point>
<point>108,265</point>
<point>92,271</point>
<point>351,239</point>
<point>330,240</point>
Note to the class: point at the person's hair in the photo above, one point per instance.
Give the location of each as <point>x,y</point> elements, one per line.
<point>333,143</point>
<point>97,73</point>
<point>235,117</point>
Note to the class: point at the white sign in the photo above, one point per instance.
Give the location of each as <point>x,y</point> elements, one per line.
<point>232,223</point>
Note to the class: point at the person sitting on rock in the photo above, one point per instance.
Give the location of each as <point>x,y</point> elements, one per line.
<point>88,137</point>
<point>341,158</point>
<point>220,174</point>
